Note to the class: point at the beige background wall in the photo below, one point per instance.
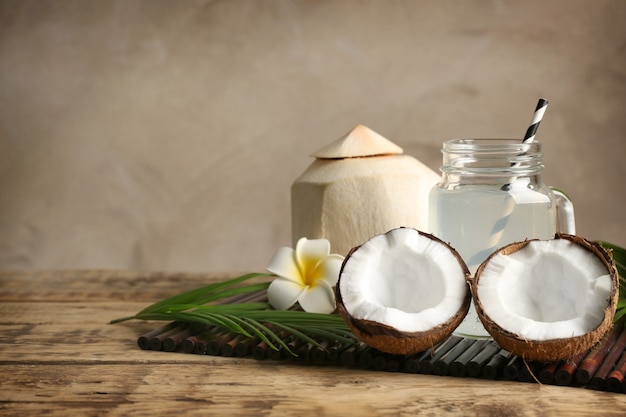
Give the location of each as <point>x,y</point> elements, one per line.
<point>164,135</point>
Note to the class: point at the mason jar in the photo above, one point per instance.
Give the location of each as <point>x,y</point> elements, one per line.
<point>491,194</point>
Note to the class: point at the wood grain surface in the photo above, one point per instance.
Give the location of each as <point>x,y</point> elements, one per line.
<point>59,356</point>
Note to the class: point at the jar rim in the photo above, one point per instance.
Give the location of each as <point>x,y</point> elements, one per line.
<point>491,157</point>
<point>489,142</point>
<point>515,146</point>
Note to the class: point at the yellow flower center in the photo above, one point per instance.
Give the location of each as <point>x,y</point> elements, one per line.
<point>308,271</point>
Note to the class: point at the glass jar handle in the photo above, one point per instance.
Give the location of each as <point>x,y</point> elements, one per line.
<point>565,221</point>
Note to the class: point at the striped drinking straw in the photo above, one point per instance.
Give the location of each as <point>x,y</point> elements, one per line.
<point>529,137</point>
<point>499,226</point>
<point>542,105</point>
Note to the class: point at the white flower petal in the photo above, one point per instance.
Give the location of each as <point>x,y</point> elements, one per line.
<point>283,293</point>
<point>318,299</point>
<point>309,252</point>
<point>329,269</point>
<point>283,264</point>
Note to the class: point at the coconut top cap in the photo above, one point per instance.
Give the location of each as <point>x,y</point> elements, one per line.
<point>359,142</point>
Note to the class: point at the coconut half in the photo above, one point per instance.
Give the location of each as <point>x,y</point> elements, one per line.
<point>403,291</point>
<point>547,300</point>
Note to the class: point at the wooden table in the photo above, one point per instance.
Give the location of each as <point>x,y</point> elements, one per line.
<point>59,356</point>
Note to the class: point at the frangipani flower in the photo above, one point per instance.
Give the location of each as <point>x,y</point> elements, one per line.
<point>305,275</point>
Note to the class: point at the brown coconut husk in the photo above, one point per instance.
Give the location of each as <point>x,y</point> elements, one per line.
<point>391,340</point>
<point>554,349</point>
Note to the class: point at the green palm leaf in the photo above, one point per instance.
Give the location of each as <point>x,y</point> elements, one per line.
<point>210,292</point>
<point>209,305</point>
<point>619,256</point>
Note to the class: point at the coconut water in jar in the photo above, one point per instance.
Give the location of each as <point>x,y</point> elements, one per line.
<point>491,194</point>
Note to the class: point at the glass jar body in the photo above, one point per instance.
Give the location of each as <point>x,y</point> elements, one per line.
<point>490,194</point>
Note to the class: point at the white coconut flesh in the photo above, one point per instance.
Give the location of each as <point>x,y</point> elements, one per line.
<point>405,280</point>
<point>547,290</point>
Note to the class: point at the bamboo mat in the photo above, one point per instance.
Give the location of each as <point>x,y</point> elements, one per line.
<point>601,368</point>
